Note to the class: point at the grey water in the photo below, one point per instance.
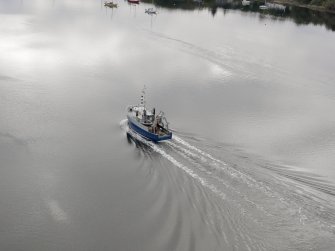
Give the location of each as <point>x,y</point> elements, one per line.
<point>250,98</point>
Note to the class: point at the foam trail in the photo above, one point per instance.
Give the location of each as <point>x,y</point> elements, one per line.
<point>57,213</point>
<point>187,170</point>
<point>187,152</point>
<point>232,171</point>
<point>175,162</point>
<point>183,142</point>
<point>123,124</point>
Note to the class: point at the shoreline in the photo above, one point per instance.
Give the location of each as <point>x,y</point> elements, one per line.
<point>307,6</point>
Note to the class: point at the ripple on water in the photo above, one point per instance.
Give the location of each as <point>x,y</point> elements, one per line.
<point>242,210</point>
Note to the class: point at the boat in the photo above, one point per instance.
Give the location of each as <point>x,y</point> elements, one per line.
<point>151,11</point>
<point>275,6</point>
<point>264,6</point>
<point>245,2</point>
<point>134,1</point>
<point>146,123</point>
<point>110,4</point>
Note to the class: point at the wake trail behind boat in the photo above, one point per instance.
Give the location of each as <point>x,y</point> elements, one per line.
<point>207,162</point>
<point>207,179</point>
<point>258,197</point>
<point>217,164</point>
<point>175,162</point>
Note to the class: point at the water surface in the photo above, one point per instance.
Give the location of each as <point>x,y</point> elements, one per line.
<point>251,101</point>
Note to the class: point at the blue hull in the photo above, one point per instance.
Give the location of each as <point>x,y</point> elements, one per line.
<point>143,131</point>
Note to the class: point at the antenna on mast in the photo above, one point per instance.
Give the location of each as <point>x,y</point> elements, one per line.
<point>143,101</point>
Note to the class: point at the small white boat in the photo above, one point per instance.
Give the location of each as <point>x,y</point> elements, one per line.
<point>275,6</point>
<point>263,7</point>
<point>245,2</point>
<point>110,4</point>
<point>151,11</point>
<point>134,1</point>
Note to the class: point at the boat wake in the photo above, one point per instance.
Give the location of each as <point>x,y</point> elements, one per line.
<point>246,200</point>
<point>175,162</point>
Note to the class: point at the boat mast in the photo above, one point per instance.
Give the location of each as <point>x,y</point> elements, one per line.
<point>143,101</point>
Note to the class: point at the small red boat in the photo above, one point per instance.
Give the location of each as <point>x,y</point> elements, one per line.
<point>134,1</point>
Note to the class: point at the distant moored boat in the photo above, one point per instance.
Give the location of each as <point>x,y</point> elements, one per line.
<point>245,2</point>
<point>151,11</point>
<point>134,1</point>
<point>110,4</point>
<point>264,6</point>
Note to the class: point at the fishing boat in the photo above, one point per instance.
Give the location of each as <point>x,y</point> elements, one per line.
<point>146,123</point>
<point>134,1</point>
<point>110,4</point>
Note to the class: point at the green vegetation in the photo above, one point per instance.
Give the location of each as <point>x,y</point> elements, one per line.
<point>327,4</point>
<point>314,13</point>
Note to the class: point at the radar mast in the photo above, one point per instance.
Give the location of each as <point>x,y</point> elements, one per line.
<point>143,101</point>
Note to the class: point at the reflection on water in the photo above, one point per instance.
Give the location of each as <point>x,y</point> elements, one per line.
<point>280,12</point>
